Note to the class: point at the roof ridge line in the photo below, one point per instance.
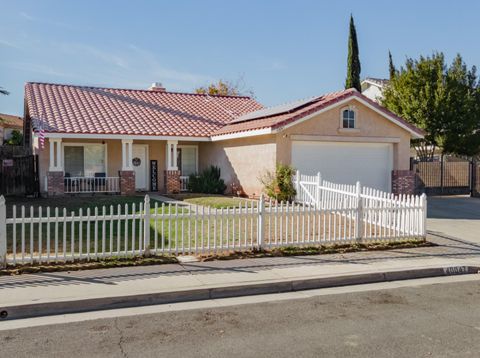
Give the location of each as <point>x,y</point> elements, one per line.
<point>136,89</point>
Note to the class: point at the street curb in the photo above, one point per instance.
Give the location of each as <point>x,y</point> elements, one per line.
<point>106,303</point>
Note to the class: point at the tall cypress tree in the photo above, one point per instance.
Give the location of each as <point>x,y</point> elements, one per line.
<point>391,67</point>
<point>353,60</point>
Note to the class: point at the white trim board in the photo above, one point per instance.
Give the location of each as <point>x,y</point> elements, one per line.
<point>334,138</point>
<point>124,136</point>
<point>245,134</point>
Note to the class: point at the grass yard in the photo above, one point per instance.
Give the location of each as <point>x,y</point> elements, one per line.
<point>219,202</point>
<point>177,229</point>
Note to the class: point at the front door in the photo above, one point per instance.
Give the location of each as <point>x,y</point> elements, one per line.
<point>139,162</point>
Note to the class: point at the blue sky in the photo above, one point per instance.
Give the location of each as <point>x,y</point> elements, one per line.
<point>284,50</point>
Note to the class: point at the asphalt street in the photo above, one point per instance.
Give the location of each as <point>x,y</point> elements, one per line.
<point>436,320</point>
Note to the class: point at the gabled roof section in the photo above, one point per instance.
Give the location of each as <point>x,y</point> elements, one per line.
<point>93,110</point>
<point>277,122</point>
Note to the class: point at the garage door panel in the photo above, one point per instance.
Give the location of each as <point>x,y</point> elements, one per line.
<point>346,163</point>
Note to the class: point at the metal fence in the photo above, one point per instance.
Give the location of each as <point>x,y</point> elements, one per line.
<point>450,175</point>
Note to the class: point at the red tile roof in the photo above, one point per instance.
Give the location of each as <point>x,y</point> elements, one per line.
<point>279,120</point>
<point>92,110</point>
<point>11,121</point>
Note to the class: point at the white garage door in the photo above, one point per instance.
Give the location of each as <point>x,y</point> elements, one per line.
<point>346,162</point>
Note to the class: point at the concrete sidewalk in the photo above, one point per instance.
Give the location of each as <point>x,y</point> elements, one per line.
<point>110,288</point>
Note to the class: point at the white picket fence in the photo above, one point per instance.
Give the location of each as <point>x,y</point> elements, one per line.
<point>394,215</point>
<point>44,235</point>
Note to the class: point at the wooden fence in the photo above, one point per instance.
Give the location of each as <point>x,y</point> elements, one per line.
<point>19,175</point>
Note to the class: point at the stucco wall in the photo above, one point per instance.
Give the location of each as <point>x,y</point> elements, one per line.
<point>241,160</point>
<point>369,124</point>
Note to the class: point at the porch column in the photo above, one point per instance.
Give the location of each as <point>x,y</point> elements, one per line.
<point>127,175</point>
<point>172,174</point>
<point>55,181</point>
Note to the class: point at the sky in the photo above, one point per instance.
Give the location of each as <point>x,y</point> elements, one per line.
<point>282,50</point>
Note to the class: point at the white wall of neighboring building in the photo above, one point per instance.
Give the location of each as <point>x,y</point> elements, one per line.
<point>373,92</point>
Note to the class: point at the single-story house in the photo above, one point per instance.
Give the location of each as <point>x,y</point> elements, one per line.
<point>8,124</point>
<point>125,140</point>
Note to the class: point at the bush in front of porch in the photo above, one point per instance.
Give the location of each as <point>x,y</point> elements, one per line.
<point>209,181</point>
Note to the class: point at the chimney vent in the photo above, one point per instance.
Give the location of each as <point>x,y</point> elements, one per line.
<point>157,87</point>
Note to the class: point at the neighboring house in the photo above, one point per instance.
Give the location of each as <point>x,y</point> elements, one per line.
<point>116,133</point>
<point>8,124</point>
<point>373,88</point>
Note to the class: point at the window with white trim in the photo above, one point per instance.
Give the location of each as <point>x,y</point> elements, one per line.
<point>187,159</point>
<point>348,118</point>
<point>84,160</point>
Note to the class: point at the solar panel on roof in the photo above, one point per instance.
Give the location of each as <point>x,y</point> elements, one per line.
<point>270,111</point>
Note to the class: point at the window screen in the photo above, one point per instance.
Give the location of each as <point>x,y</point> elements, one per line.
<point>73,157</point>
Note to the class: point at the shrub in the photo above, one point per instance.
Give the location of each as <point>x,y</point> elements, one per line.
<point>207,182</point>
<point>279,185</point>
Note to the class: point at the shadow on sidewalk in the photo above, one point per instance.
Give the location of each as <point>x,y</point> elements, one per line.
<point>447,248</point>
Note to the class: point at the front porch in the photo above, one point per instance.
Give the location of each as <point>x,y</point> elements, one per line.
<point>126,166</point>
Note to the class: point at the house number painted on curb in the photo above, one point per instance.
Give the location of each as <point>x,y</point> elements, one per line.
<point>456,270</point>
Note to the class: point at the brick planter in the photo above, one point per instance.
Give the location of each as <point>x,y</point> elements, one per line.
<point>127,182</point>
<point>172,181</point>
<point>55,184</point>
<point>403,182</point>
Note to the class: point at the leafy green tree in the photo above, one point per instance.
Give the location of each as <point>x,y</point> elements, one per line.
<point>443,101</point>
<point>226,88</point>
<point>15,139</point>
<point>353,60</point>
<point>391,67</point>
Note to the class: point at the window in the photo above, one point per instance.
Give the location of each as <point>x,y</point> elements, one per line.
<point>187,160</point>
<point>84,160</point>
<point>348,118</point>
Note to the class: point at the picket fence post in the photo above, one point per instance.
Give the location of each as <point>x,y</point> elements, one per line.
<point>3,233</point>
<point>146,227</point>
<point>297,185</point>
<point>359,213</point>
<point>260,229</point>
<point>319,192</point>
<point>424,208</point>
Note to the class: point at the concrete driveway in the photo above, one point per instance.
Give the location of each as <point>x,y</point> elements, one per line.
<point>455,216</point>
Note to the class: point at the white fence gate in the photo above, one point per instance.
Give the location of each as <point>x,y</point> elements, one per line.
<point>324,213</point>
<point>394,216</point>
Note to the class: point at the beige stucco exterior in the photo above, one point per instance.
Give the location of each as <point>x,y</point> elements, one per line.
<point>241,161</point>
<point>244,160</point>
<point>370,126</point>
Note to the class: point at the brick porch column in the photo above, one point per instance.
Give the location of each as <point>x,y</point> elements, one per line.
<point>127,182</point>
<point>55,184</point>
<point>127,175</point>
<point>172,181</point>
<point>403,182</point>
<point>172,174</point>
<point>55,178</point>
